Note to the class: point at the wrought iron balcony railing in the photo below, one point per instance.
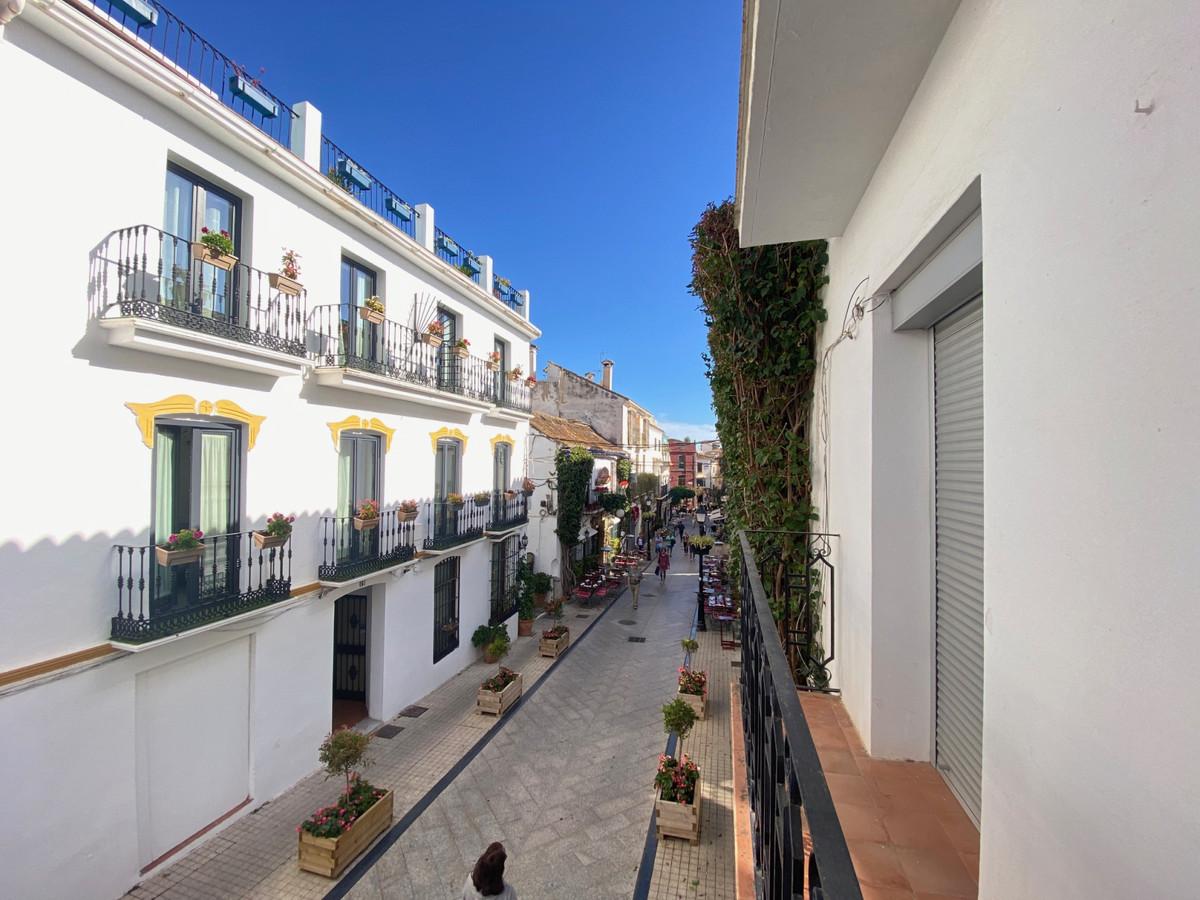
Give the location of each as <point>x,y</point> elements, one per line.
<point>503,291</point>
<point>506,559</point>
<point>142,272</point>
<point>344,171</point>
<point>787,787</point>
<point>450,524</point>
<point>509,509</point>
<point>453,252</point>
<point>342,338</point>
<point>349,552</point>
<point>512,394</point>
<point>231,576</point>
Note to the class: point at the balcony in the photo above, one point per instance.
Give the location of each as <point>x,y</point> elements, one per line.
<point>391,360</point>
<point>348,174</point>
<point>503,291</point>
<point>148,290</point>
<point>451,524</point>
<point>513,398</point>
<point>232,576</point>
<point>509,511</point>
<point>349,553</point>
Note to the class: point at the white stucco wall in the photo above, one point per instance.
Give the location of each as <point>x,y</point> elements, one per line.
<point>1089,785</point>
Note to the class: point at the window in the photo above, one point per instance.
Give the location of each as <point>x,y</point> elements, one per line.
<point>501,466</point>
<point>191,204</point>
<point>505,558</point>
<point>682,461</point>
<point>445,607</point>
<point>447,476</point>
<point>448,363</point>
<point>359,478</point>
<point>501,376</point>
<point>360,336</point>
<point>682,481</point>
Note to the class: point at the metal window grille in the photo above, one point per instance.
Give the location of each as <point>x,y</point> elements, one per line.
<point>445,607</point>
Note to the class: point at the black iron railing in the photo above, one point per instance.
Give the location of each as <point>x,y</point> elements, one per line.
<point>449,524</point>
<point>503,291</point>
<point>509,509</point>
<point>343,338</point>
<point>506,556</point>
<point>349,552</point>
<point>513,393</point>
<point>787,786</point>
<point>143,272</point>
<point>456,254</point>
<point>348,174</point>
<point>232,576</point>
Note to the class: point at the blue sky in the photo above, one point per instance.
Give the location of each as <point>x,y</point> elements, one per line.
<point>575,142</point>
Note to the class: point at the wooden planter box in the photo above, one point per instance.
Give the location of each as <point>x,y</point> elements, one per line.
<point>365,524</point>
<point>285,285</point>
<point>491,703</point>
<point>552,648</point>
<point>168,557</point>
<point>370,315</point>
<point>265,541</point>
<point>432,340</point>
<point>698,702</point>
<point>681,820</point>
<point>203,253</point>
<point>330,856</point>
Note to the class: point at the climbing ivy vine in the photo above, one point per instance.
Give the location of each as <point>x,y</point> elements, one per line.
<point>573,471</point>
<point>763,307</point>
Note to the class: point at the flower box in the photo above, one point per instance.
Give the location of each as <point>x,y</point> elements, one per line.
<point>264,540</point>
<point>285,285</point>
<point>138,10</point>
<point>462,352</point>
<point>358,176</point>
<point>552,647</point>
<point>399,209</point>
<point>448,245</point>
<point>371,315</point>
<point>698,702</point>
<point>514,377</point>
<point>254,95</point>
<point>681,820</point>
<point>331,856</point>
<point>365,524</point>
<point>496,703</point>
<point>472,265</point>
<point>433,340</point>
<point>482,501</point>
<point>168,557</point>
<point>204,253</point>
<point>406,515</point>
<point>493,366</point>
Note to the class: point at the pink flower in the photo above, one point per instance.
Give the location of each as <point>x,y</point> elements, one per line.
<point>172,539</point>
<point>198,533</point>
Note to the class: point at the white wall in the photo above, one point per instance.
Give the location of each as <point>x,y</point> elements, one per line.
<point>1090,786</point>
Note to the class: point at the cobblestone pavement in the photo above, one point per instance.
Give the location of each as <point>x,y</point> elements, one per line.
<point>566,784</point>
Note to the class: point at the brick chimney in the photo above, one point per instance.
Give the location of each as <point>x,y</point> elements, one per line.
<point>606,378</point>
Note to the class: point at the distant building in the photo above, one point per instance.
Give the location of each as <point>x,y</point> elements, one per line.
<point>683,463</point>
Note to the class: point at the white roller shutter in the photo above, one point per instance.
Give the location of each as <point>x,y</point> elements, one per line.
<point>958,448</point>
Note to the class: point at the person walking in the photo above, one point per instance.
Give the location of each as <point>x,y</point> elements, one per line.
<point>681,528</point>
<point>664,563</point>
<point>487,878</point>
<point>671,544</point>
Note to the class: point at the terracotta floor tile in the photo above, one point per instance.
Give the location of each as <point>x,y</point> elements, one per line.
<point>960,829</point>
<point>839,762</point>
<point>927,896</point>
<point>937,871</point>
<point>828,736</point>
<point>871,892</point>
<point>971,862</point>
<point>862,823</point>
<point>850,789</point>
<point>913,828</point>
<point>878,865</point>
<point>891,768</point>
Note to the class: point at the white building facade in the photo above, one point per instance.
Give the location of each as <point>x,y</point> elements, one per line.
<point>189,390</point>
<point>1006,420</point>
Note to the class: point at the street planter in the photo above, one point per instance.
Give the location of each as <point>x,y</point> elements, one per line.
<point>524,627</point>
<point>204,253</point>
<point>254,95</point>
<point>433,340</point>
<point>357,175</point>
<point>496,703</point>
<point>285,285</point>
<point>331,856</point>
<point>168,558</point>
<point>681,820</point>
<point>698,702</point>
<point>399,209</point>
<point>552,647</point>
<point>373,316</point>
<point>365,524</point>
<point>265,541</point>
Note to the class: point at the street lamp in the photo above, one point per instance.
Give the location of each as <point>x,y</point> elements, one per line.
<point>700,624</point>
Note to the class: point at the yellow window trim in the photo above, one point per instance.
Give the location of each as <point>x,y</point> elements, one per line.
<point>435,436</point>
<point>185,404</point>
<point>360,423</point>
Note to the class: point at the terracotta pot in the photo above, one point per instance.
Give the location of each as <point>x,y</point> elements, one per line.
<point>462,352</point>
<point>168,557</point>
<point>524,627</point>
<point>265,541</point>
<point>371,315</point>
<point>432,340</point>
<point>490,656</point>
<point>365,524</point>
<point>285,285</point>
<point>203,253</point>
<point>493,366</point>
<point>406,515</point>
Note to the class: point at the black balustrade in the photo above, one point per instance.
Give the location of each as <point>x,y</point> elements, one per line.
<point>350,175</point>
<point>514,393</point>
<point>232,576</point>
<point>787,787</point>
<point>143,272</point>
<point>509,509</point>
<point>349,552</point>
<point>506,560</point>
<point>503,291</point>
<point>449,524</point>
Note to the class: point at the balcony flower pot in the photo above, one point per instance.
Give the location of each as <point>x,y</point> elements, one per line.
<point>510,495</point>
<point>462,352</point>
<point>433,340</point>
<point>448,245</point>
<point>553,646</point>
<point>406,515</point>
<point>399,209</point>
<point>514,376</point>
<point>356,174</point>
<point>482,501</point>
<point>167,557</point>
<point>331,856</point>
<point>674,819</point>
<point>204,253</point>
<point>138,10</point>
<point>265,541</point>
<point>493,366</point>
<point>496,703</point>
<point>252,94</point>
<point>365,524</point>
<point>472,265</point>
<point>285,285</point>
<point>373,316</point>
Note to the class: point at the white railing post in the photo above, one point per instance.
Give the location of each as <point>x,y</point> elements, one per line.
<point>488,267</point>
<point>525,296</point>
<point>306,133</point>
<point>424,226</point>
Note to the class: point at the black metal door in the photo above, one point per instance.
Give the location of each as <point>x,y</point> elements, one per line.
<point>350,648</point>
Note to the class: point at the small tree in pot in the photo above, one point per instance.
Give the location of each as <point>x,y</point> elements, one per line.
<point>677,781</point>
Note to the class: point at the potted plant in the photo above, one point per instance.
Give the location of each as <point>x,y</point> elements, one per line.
<point>498,693</point>
<point>509,494</point>
<point>542,586</point>
<point>693,689</point>
<point>524,590</point>
<point>481,498</point>
<point>493,360</point>
<point>515,373</point>
<point>455,501</point>
<point>372,310</point>
<point>284,280</point>
<point>181,548</point>
<point>215,248</point>
<point>278,530</point>
<point>689,645</point>
<point>493,640</point>
<point>677,781</point>
<point>366,516</point>
<point>334,835</point>
<point>407,511</point>
<point>462,348</point>
<point>701,543</point>
<point>531,380</point>
<point>432,335</point>
<point>527,487</point>
<point>554,640</point>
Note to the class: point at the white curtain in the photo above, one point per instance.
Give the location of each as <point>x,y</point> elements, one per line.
<point>214,482</point>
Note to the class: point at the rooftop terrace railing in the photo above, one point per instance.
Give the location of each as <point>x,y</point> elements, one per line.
<point>787,786</point>
<point>503,291</point>
<point>353,178</point>
<point>177,46</point>
<point>458,256</point>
